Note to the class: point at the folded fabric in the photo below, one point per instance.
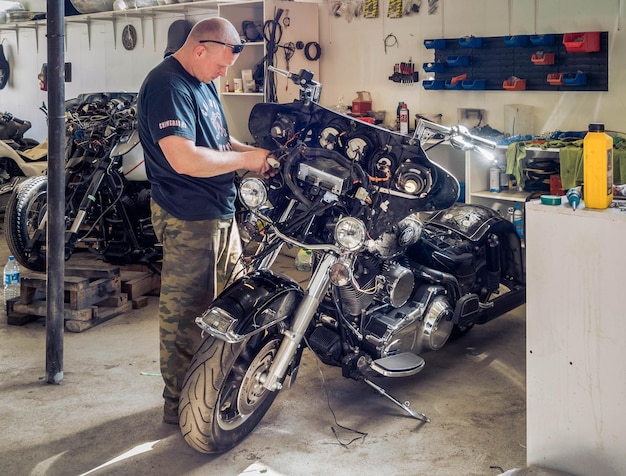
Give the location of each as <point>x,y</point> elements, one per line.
<point>619,166</point>
<point>571,161</point>
<point>515,155</point>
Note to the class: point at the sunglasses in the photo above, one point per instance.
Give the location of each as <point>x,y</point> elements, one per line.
<point>236,48</point>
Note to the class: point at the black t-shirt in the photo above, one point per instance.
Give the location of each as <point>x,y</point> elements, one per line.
<point>172,102</point>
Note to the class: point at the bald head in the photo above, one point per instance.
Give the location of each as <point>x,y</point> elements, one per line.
<point>216,28</point>
<point>204,59</point>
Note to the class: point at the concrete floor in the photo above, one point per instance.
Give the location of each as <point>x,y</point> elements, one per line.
<point>105,417</point>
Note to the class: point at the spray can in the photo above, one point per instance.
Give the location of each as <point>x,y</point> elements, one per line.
<point>518,220</point>
<point>404,119</point>
<point>597,167</point>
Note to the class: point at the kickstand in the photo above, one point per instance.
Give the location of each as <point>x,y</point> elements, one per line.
<point>404,406</point>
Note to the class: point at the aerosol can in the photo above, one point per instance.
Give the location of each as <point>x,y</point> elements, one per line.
<point>404,119</point>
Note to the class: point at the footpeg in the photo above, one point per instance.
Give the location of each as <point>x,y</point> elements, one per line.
<point>404,406</point>
<point>399,365</point>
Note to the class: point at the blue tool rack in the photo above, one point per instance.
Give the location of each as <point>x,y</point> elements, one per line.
<point>501,57</point>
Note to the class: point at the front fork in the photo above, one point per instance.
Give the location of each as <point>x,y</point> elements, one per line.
<point>318,285</point>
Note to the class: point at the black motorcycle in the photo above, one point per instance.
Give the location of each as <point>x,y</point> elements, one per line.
<point>107,193</point>
<point>397,265</point>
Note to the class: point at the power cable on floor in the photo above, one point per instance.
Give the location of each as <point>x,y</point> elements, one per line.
<point>361,434</point>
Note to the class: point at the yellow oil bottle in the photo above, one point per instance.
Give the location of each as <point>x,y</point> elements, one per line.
<point>597,167</point>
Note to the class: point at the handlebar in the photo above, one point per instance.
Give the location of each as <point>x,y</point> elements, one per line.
<point>458,136</point>
<point>309,88</point>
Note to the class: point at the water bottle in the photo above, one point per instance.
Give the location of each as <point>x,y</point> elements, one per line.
<point>11,279</point>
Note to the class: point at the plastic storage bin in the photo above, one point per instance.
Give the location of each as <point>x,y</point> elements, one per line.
<point>471,42</point>
<point>456,82</point>
<point>437,44</point>
<point>575,79</point>
<point>434,84</point>
<point>461,60</point>
<point>555,79</point>
<point>474,85</point>
<point>514,84</point>
<point>540,58</point>
<point>517,40</point>
<point>437,67</point>
<point>542,40</point>
<point>585,42</point>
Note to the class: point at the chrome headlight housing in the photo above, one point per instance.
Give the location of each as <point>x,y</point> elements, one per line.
<point>252,192</point>
<point>350,233</point>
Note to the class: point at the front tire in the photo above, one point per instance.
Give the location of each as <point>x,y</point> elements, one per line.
<point>25,209</point>
<point>222,398</point>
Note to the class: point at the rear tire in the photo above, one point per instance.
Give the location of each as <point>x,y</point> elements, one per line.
<point>222,399</point>
<point>25,210</point>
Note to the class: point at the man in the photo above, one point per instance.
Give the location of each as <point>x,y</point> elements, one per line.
<point>190,160</point>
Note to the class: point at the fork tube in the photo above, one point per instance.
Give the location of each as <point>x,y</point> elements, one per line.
<point>306,310</point>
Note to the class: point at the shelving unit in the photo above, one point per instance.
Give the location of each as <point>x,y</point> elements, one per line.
<point>302,25</point>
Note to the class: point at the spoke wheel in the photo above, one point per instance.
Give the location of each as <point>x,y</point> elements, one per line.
<point>223,398</point>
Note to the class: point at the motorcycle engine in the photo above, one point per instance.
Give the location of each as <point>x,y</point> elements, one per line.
<point>418,326</point>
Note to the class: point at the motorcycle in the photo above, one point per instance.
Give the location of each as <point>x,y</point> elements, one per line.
<point>107,193</point>
<point>19,156</point>
<point>398,266</point>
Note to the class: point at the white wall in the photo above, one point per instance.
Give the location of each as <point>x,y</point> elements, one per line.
<point>98,63</point>
<point>353,59</point>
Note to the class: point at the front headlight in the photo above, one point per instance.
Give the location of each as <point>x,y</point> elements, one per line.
<point>350,233</point>
<point>252,193</point>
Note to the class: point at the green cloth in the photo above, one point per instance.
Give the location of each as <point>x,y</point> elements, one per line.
<point>619,164</point>
<point>570,159</point>
<point>515,155</point>
<point>571,165</point>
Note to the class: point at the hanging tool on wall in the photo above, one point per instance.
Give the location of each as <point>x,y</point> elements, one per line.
<point>390,40</point>
<point>404,73</point>
<point>395,9</point>
<point>371,9</point>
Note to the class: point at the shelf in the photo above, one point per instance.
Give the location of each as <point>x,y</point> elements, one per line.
<point>507,195</point>
<point>115,16</point>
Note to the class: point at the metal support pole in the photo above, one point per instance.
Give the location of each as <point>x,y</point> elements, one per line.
<point>55,15</point>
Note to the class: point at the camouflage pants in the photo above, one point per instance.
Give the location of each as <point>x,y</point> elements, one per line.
<point>198,259</point>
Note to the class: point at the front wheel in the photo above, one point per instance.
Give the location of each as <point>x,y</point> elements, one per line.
<point>223,398</point>
<point>25,209</point>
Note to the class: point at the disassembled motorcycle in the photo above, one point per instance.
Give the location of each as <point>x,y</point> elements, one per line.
<point>107,193</point>
<point>388,282</point>
<point>19,156</point>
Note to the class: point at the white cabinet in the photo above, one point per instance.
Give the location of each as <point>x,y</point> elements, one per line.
<point>576,327</point>
<point>298,24</point>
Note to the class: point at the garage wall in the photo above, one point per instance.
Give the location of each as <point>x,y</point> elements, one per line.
<point>354,59</point>
<point>98,62</point>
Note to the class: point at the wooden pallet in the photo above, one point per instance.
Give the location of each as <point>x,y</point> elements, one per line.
<point>91,296</point>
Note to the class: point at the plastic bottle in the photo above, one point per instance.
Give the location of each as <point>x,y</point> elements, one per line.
<point>597,167</point>
<point>518,220</point>
<point>404,119</point>
<point>494,178</point>
<point>11,279</point>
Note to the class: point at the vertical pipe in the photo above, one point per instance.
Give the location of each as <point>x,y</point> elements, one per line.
<point>55,15</point>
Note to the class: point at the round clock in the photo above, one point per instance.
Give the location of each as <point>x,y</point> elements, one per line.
<point>129,37</point>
